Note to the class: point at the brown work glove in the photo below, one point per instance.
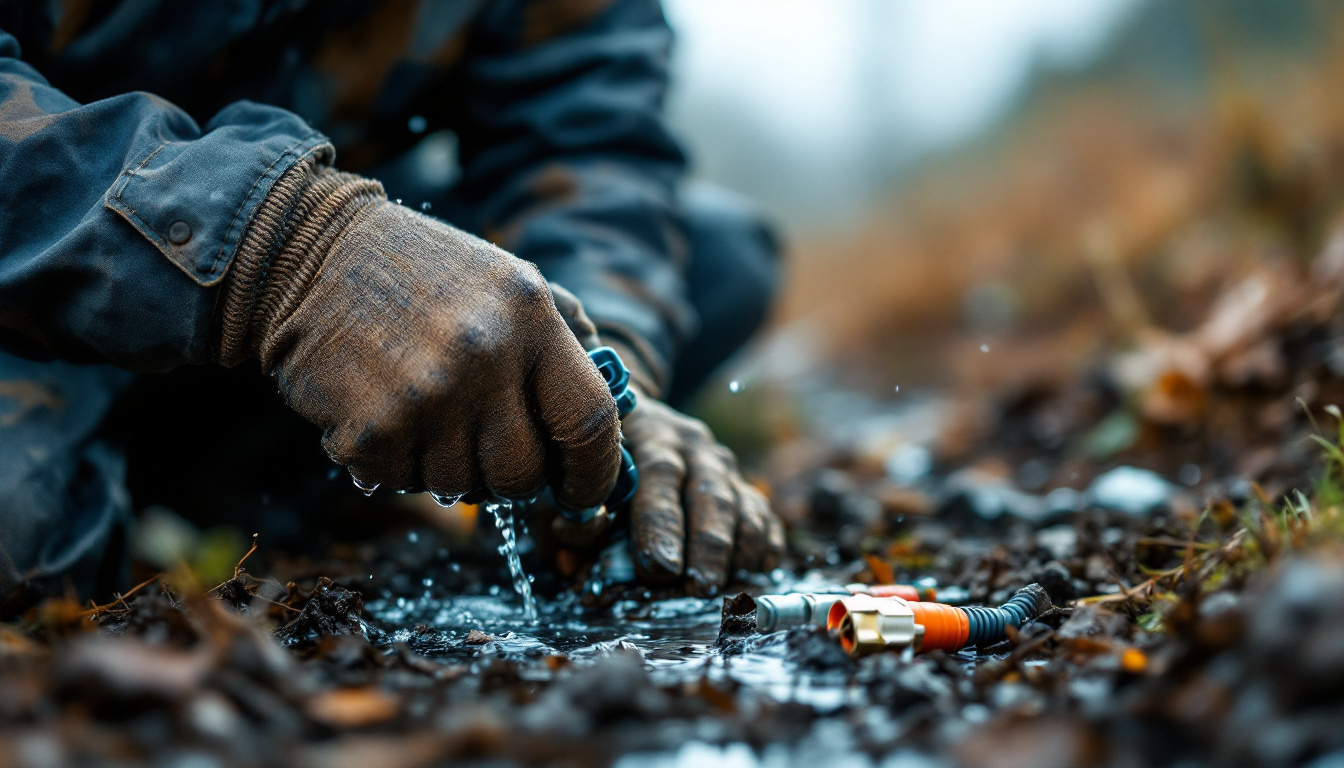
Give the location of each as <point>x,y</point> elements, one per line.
<point>430,358</point>
<point>693,515</point>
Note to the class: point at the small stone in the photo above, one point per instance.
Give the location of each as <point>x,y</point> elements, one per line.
<point>1059,540</point>
<point>1131,490</point>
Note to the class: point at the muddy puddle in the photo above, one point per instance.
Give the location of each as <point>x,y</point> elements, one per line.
<point>676,638</point>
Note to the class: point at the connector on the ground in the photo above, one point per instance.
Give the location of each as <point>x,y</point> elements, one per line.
<point>776,612</point>
<point>867,624</point>
<point>948,595</point>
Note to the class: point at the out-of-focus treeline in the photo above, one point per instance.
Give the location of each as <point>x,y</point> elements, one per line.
<point>1209,138</point>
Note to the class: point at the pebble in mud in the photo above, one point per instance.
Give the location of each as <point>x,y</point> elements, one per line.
<point>1131,490</point>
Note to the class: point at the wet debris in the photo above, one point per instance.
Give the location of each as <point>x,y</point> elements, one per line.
<point>737,624</point>
<point>329,611</point>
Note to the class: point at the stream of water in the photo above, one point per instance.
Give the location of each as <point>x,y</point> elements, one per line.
<point>502,511</point>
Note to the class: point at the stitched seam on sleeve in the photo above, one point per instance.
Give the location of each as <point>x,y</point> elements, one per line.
<point>251,192</point>
<point>130,173</point>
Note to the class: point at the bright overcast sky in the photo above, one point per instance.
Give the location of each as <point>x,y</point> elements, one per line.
<point>820,73</point>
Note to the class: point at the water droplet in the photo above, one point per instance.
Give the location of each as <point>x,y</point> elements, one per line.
<point>984,347</point>
<point>334,473</point>
<point>734,386</point>
<point>417,124</point>
<point>446,499</point>
<point>428,582</point>
<point>898,387</point>
<point>425,206</point>
<point>413,537</point>
<point>494,590</point>
<point>398,201</point>
<point>1189,474</point>
<point>367,488</point>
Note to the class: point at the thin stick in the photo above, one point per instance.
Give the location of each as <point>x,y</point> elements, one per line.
<point>238,567</point>
<point>276,602</point>
<point>122,597</point>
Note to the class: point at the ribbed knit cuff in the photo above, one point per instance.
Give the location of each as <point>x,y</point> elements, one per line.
<point>284,247</point>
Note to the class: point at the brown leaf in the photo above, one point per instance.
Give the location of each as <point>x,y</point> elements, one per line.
<point>352,707</point>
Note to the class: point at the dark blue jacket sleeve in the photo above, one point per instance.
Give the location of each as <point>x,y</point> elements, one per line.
<point>119,218</point>
<point>567,162</point>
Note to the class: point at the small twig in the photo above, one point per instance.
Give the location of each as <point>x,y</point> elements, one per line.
<point>1307,410</point>
<point>238,567</point>
<point>1169,541</point>
<point>276,602</point>
<point>121,598</point>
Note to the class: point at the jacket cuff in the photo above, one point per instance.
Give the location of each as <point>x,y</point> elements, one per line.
<point>283,249</point>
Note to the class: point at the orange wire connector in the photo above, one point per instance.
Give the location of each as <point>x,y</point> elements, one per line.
<point>867,624</point>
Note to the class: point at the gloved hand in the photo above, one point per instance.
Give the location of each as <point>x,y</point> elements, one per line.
<point>694,515</point>
<point>430,358</point>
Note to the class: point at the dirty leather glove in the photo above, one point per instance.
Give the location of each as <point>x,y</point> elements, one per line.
<point>430,358</point>
<point>693,515</point>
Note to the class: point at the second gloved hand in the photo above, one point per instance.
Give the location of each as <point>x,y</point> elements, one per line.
<point>430,358</point>
<point>694,515</point>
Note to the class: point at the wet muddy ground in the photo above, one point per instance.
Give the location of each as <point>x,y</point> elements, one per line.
<point>1198,614</point>
<point>1184,634</point>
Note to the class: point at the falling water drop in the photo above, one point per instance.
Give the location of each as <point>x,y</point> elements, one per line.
<point>984,347</point>
<point>734,386</point>
<point>398,201</point>
<point>446,499</point>
<point>367,488</point>
<point>425,206</point>
<point>898,387</point>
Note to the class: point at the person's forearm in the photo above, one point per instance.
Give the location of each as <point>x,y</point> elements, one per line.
<point>581,179</point>
<point>119,218</point>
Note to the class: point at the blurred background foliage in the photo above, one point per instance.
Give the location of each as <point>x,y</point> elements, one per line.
<point>988,197</point>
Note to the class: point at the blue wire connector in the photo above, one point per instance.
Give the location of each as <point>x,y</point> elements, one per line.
<point>617,377</point>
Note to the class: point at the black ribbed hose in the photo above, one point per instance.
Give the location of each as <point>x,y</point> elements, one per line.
<point>988,626</point>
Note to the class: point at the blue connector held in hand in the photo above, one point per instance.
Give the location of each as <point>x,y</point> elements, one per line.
<point>617,377</point>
